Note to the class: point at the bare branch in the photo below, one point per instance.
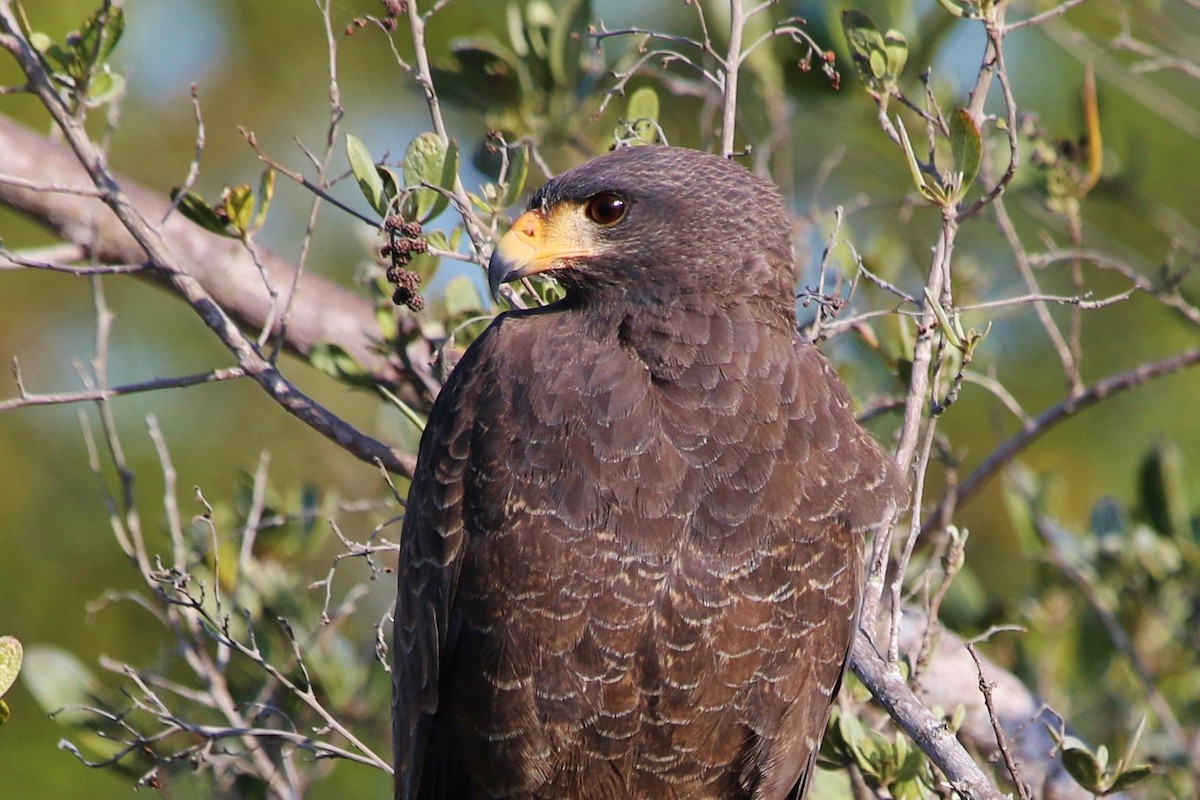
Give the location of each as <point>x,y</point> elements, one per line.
<point>1049,14</point>
<point>25,399</point>
<point>985,688</point>
<point>731,70</point>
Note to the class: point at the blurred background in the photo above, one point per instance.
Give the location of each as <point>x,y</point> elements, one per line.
<point>262,65</point>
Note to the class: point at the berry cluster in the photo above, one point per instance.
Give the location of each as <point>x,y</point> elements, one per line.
<point>393,10</point>
<point>404,242</point>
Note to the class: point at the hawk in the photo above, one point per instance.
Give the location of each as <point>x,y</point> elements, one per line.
<point>630,561</point>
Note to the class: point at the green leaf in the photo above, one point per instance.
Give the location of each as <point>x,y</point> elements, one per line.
<point>197,209</point>
<point>430,162</point>
<point>333,360</point>
<point>866,46</point>
<point>105,86</point>
<point>41,42</point>
<point>392,184</point>
<point>426,264</point>
<point>966,146</point>
<point>567,40</point>
<point>911,761</point>
<point>266,193</point>
<point>518,171</point>
<point>895,47</point>
<point>1132,745</point>
<point>855,736</point>
<point>60,61</point>
<point>929,193</point>
<point>641,115</point>
<point>516,30</point>
<point>861,33</point>
<point>960,714</point>
<point>1081,764</point>
<point>643,104</point>
<point>11,655</point>
<point>953,7</point>
<point>100,33</point>
<point>1162,490</point>
<point>540,17</point>
<point>439,240</point>
<point>385,320</point>
<point>1021,486</point>
<point>239,207</point>
<point>1131,776</point>
<point>423,163</point>
<point>363,167</point>
<point>483,75</point>
<point>878,58</point>
<point>57,679</point>
<point>448,179</point>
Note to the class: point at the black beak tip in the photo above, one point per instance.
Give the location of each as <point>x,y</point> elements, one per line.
<point>499,271</point>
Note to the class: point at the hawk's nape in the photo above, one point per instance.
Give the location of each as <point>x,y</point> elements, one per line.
<point>630,561</point>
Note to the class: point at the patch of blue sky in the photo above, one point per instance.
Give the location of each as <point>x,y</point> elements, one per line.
<point>170,44</point>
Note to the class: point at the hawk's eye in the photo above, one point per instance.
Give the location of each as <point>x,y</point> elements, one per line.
<point>606,208</point>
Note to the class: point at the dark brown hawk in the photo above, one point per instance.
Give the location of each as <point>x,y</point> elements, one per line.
<point>630,560</point>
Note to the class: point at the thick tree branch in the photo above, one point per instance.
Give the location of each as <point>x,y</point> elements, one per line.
<point>929,733</point>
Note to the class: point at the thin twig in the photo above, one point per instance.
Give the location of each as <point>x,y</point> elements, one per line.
<point>985,688</point>
<point>25,399</point>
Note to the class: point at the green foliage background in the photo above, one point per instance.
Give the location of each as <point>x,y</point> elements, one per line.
<point>261,64</point>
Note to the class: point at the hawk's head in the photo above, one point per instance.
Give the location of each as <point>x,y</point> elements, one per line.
<point>653,224</point>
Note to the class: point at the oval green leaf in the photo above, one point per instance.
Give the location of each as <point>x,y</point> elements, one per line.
<point>363,167</point>
<point>896,48</point>
<point>1131,776</point>
<point>1083,767</point>
<point>197,209</point>
<point>425,163</point>
<point>866,47</point>
<point>643,104</point>
<point>567,40</point>
<point>239,207</point>
<point>11,656</point>
<point>966,146</point>
<point>336,362</point>
<point>100,33</point>
<point>266,193</point>
<point>448,179</point>
<point>518,171</point>
<point>105,86</point>
<point>391,183</point>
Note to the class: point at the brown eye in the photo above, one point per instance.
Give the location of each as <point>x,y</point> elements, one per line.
<point>606,208</point>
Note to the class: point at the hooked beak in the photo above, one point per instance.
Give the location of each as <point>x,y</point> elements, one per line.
<point>533,245</point>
